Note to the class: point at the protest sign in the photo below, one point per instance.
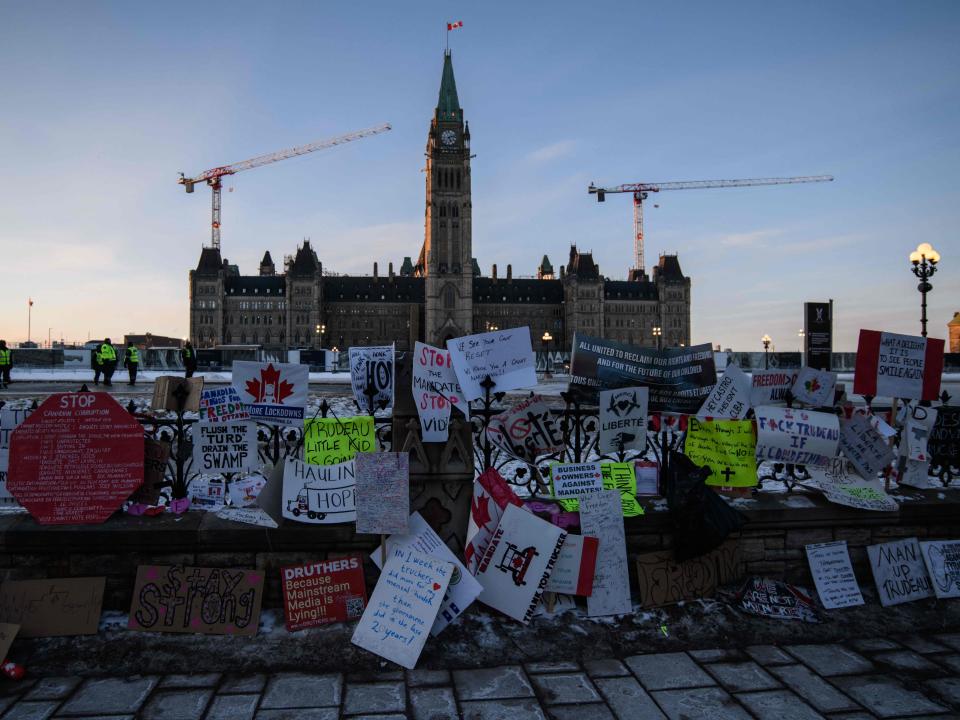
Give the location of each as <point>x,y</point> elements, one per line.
<point>726,447</point>
<point>206,492</point>
<point>899,571</point>
<point>166,388</point>
<point>517,563</point>
<point>505,355</point>
<point>527,430</point>
<point>491,495</point>
<point>616,476</point>
<point>601,517</point>
<point>647,474</point>
<point>552,511</point>
<point>916,473</point>
<point>818,334</point>
<point>221,405</point>
<point>942,558</point>
<point>9,419</point>
<point>318,593</point>
<point>76,459</point>
<point>383,492</point>
<point>181,599</point>
<point>815,387</point>
<point>272,392</point>
<point>623,419</point>
<point>769,387</point>
<point>864,446</point>
<point>371,368</point>
<point>53,607</point>
<point>463,588</point>
<point>8,632</point>
<point>730,397</point>
<point>803,437</point>
<point>776,599</point>
<point>898,366</point>
<point>330,441</point>
<point>943,445</point>
<point>663,581</point>
<point>574,572</point>
<point>435,390</point>
<point>156,455</point>
<point>224,447</point>
<point>321,494</point>
<point>918,425</point>
<point>572,479</point>
<point>248,516</point>
<point>244,491</point>
<point>404,605</point>
<point>833,575</point>
<point>840,485</point>
<point>679,379</point>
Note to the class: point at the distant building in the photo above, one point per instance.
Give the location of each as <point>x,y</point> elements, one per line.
<point>444,294</point>
<point>953,330</point>
<point>150,340</point>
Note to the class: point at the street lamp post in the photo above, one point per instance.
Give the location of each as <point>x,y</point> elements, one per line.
<point>924,260</point>
<point>547,337</point>
<point>766,340</point>
<point>657,333</point>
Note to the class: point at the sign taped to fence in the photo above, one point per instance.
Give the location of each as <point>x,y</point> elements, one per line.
<point>53,607</point>
<point>505,355</point>
<point>330,441</point>
<point>572,479</point>
<point>229,447</point>
<point>864,446</point>
<point>600,517</point>
<point>833,575</point>
<point>321,494</point>
<point>9,419</point>
<point>383,492</point>
<point>803,437</point>
<point>220,405</point>
<point>730,397</point>
<point>663,581</point>
<point>527,430</point>
<point>491,495</point>
<point>727,447</point>
<point>899,571</point>
<point>574,572</point>
<point>372,368</point>
<point>898,366</point>
<point>272,392</point>
<point>943,445</point>
<point>815,387</point>
<point>319,593</point>
<point>435,391</point>
<point>942,558</point>
<point>769,387</point>
<point>616,476</point>
<point>623,419</point>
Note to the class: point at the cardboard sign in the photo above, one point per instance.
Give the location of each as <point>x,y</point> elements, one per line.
<point>403,607</point>
<point>572,479</point>
<point>680,379</point>
<point>727,447</point>
<point>435,390</point>
<point>777,600</point>
<point>372,367</point>
<point>156,455</point>
<point>943,444</point>
<point>616,476</point>
<point>942,558</point>
<point>211,601</point>
<point>574,572</point>
<point>8,632</point>
<point>647,473</point>
<point>76,459</point>
<point>898,366</point>
<point>330,441</point>
<point>662,581</point>
<point>323,592</point>
<point>491,495</point>
<point>815,387</point>
<point>899,572</point>
<point>383,492</point>
<point>244,491</point>
<point>167,387</point>
<point>9,419</point>
<point>769,387</point>
<point>321,494</point>
<point>224,447</point>
<point>527,430</point>
<point>52,608</point>
<point>803,437</point>
<point>864,446</point>
<point>601,517</point>
<point>623,419</point>
<point>505,355</point>
<point>248,516</point>
<point>272,392</point>
<point>463,588</point>
<point>518,562</point>
<point>221,405</point>
<point>833,575</point>
<point>730,397</point>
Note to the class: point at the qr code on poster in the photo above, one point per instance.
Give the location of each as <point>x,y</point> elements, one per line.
<point>354,607</point>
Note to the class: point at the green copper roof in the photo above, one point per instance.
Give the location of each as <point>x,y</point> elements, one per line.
<point>448,106</point>
<point>545,265</point>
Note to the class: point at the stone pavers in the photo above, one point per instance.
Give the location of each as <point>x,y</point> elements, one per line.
<point>432,703</point>
<point>906,660</point>
<point>886,697</point>
<point>813,688</point>
<point>741,677</point>
<point>769,655</point>
<point>828,660</point>
<point>187,704</point>
<point>780,704</point>
<point>627,699</point>
<point>299,690</point>
<point>492,684</point>
<point>233,707</point>
<point>700,704</point>
<point>664,671</point>
<point>375,698</point>
<point>565,688</point>
<point>113,696</point>
<point>52,688</point>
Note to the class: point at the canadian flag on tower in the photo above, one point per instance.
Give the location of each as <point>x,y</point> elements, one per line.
<point>454,25</point>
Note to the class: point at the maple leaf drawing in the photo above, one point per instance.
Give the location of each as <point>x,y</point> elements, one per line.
<point>270,387</point>
<point>812,385</point>
<point>481,511</point>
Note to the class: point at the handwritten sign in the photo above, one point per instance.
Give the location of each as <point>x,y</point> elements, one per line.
<point>435,390</point>
<point>573,479</point>
<point>527,430</point>
<point>321,494</point>
<point>330,441</point>
<point>776,599</point>
<point>803,437</point>
<point>211,601</point>
<point>769,387</point>
<point>864,446</point>
<point>244,491</point>
<point>663,581</point>
<point>898,366</point>
<point>318,593</point>
<point>647,473</point>
<point>899,571</point>
<point>10,418</point>
<point>833,575</point>
<point>916,473</point>
<point>224,447</point>
<point>248,516</point>
<point>600,517</point>
<point>621,477</point>
<point>841,485</point>
<point>383,492</point>
<point>727,447</point>
<point>221,405</point>
<point>372,368</point>
<point>730,397</point>
<point>403,607</point>
<point>943,444</point>
<point>52,608</point>
<point>623,419</point>
<point>573,574</point>
<point>942,558</point>
<point>505,355</point>
<point>272,392</point>
<point>815,387</point>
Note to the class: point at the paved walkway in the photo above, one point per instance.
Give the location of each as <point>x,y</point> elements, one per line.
<point>916,677</point>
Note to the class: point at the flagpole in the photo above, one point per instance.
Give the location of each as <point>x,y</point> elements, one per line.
<point>29,316</point>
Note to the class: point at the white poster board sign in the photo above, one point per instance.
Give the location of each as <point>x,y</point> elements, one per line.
<point>623,419</point>
<point>435,391</point>
<point>9,419</point>
<point>864,446</point>
<point>833,575</point>
<point>769,387</point>
<point>383,492</point>
<point>372,366</point>
<point>247,515</point>
<point>601,517</point>
<point>403,607</point>
<point>527,430</point>
<point>221,404</point>
<point>841,485</point>
<point>272,392</point>
<point>803,437</point>
<point>815,387</point>
<point>229,447</point>
<point>321,494</point>
<point>505,355</point>
<point>730,397</point>
<point>942,558</point>
<point>573,574</point>
<point>573,479</point>
<point>899,572</point>
<point>244,491</point>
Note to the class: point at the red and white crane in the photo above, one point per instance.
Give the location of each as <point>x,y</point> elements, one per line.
<point>640,191</point>
<point>213,177</point>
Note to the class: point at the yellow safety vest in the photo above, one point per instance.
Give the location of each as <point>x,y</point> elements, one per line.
<point>107,352</point>
<point>187,353</point>
<point>134,355</point>
<point>5,357</point>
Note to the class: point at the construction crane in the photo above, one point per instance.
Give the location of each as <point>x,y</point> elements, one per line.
<point>213,177</point>
<point>640,191</point>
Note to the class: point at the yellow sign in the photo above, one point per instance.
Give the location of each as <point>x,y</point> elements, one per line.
<point>331,441</point>
<point>728,447</point>
<point>616,476</point>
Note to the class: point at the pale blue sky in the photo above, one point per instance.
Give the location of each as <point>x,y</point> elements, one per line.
<point>101,104</point>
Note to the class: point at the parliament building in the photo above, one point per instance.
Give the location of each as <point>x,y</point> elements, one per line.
<point>444,294</point>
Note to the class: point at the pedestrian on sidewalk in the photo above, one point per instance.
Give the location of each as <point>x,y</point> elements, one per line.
<point>189,357</point>
<point>131,361</point>
<point>96,362</point>
<point>108,357</point>
<point>6,364</point>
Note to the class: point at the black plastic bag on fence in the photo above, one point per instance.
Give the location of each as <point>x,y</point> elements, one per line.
<point>701,519</point>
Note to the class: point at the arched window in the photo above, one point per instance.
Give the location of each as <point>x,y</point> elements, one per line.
<point>456,211</point>
<point>449,297</point>
<point>458,179</point>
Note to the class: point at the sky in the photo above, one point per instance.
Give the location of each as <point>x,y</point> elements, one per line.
<point>102,104</point>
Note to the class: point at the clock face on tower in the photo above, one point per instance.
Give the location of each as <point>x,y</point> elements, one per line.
<point>448,137</point>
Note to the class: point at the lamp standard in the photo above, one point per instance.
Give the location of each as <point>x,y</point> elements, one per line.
<point>924,260</point>
<point>547,337</point>
<point>766,340</point>
<point>657,333</point>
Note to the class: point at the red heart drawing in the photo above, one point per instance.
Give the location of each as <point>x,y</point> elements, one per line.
<point>436,586</point>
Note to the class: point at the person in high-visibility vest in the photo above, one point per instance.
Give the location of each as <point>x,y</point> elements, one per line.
<point>108,358</point>
<point>96,362</point>
<point>131,361</point>
<point>189,357</point>
<point>6,364</point>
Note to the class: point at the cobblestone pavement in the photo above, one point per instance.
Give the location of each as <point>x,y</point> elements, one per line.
<point>916,676</point>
